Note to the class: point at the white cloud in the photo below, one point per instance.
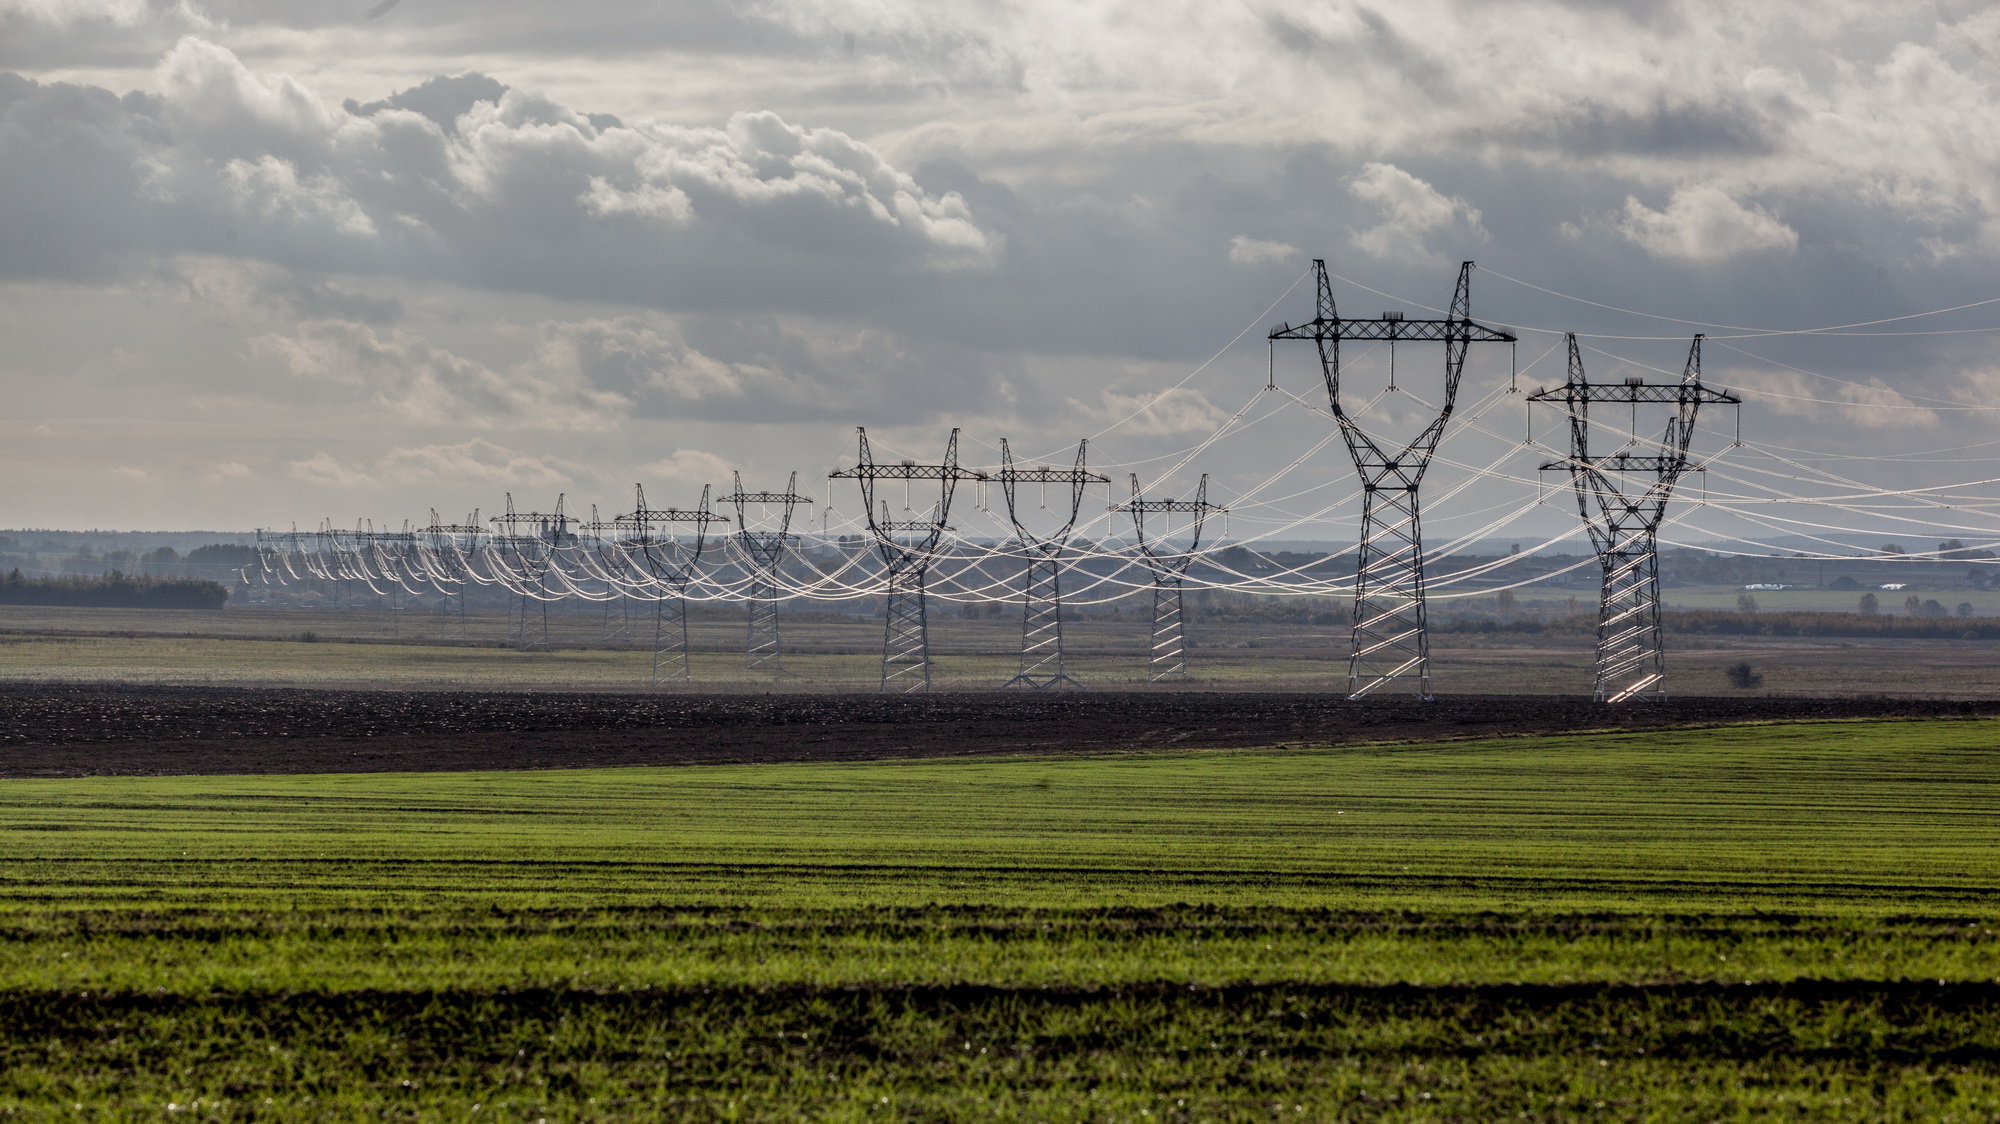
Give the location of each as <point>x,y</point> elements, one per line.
<point>1180,411</point>
<point>1411,210</point>
<point>1255,251</point>
<point>476,463</point>
<point>1866,403</point>
<point>1702,223</point>
<point>323,470</point>
<point>690,466</point>
<point>423,384</point>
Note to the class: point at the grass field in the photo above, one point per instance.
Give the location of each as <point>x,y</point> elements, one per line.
<point>1792,922</point>
<point>373,649</point>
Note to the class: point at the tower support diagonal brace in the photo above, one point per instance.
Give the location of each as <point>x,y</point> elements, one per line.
<point>1389,642</point>
<point>906,646</point>
<point>1168,660</point>
<point>1390,633</point>
<point>670,640</point>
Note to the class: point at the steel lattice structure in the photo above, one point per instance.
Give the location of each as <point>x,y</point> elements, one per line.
<point>646,537</point>
<point>1041,594</point>
<point>907,548</point>
<point>442,550</point>
<point>765,550</point>
<point>528,542</point>
<point>1391,637</point>
<point>1169,567</point>
<point>1624,522</point>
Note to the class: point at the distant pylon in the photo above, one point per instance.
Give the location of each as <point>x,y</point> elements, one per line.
<point>442,549</point>
<point>1168,566</point>
<point>764,548</point>
<point>528,541</point>
<point>907,548</point>
<point>648,535</point>
<point>1041,595</point>
<point>1622,498</point>
<point>1391,637</point>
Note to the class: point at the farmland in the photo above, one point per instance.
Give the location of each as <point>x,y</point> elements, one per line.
<point>1778,921</point>
<point>829,652</point>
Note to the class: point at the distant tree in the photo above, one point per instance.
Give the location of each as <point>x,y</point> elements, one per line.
<point>1504,601</point>
<point>1843,583</point>
<point>222,554</point>
<point>1891,548</point>
<point>1745,603</point>
<point>1913,605</point>
<point>1965,609</point>
<point>1868,603</point>
<point>1743,676</point>
<point>1934,608</point>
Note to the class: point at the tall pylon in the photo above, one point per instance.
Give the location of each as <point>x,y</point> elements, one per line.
<point>764,551</point>
<point>1391,636</point>
<point>1042,665</point>
<point>528,542</point>
<point>1168,565</point>
<point>650,536</point>
<point>1622,497</point>
<point>907,548</point>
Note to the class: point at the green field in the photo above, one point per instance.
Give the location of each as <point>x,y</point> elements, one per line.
<point>1791,922</point>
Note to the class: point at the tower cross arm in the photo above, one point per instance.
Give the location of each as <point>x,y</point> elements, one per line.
<point>907,472</point>
<point>1394,329</point>
<point>1665,393</point>
<point>1196,507</point>
<point>765,497</point>
<point>1047,475</point>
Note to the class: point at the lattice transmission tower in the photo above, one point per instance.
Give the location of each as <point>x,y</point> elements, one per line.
<point>907,548</point>
<point>650,536</point>
<point>1041,593</point>
<point>765,548</point>
<point>527,542</point>
<point>1391,637</point>
<point>444,548</point>
<point>1169,566</point>
<point>1622,497</point>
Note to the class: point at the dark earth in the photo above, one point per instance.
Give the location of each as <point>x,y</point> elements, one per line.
<point>91,730</point>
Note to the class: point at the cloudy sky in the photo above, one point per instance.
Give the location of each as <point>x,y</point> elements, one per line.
<point>278,261</point>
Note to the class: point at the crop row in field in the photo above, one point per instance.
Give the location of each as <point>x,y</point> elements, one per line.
<point>1788,922</point>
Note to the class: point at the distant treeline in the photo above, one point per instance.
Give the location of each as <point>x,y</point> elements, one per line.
<point>1715,622</point>
<point>113,591</point>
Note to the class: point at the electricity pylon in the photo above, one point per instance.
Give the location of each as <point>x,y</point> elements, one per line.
<point>1168,567</point>
<point>765,548</point>
<point>648,535</point>
<point>529,540</point>
<point>907,548</point>
<point>1622,497</point>
<point>442,547</point>
<point>1391,636</point>
<point>1041,594</point>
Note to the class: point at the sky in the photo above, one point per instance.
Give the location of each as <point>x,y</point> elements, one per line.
<point>276,262</point>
